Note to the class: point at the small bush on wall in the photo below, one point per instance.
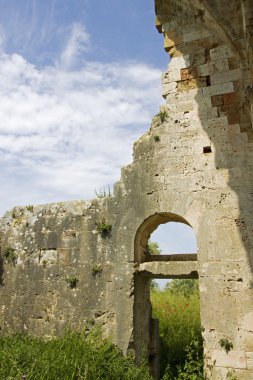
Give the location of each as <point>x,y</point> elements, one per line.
<point>10,255</point>
<point>103,228</point>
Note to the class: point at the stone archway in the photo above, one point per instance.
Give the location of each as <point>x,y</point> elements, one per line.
<point>146,329</point>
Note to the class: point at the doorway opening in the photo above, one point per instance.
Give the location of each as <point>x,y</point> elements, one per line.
<point>176,310</point>
<point>175,305</point>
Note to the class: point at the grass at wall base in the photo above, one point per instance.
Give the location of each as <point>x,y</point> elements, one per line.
<point>71,357</point>
<point>83,356</point>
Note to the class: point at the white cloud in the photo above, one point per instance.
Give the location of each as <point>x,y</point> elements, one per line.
<point>77,44</point>
<point>63,131</point>
<point>2,39</point>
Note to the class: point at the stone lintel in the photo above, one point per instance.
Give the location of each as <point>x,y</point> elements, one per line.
<point>172,257</point>
<point>169,269</point>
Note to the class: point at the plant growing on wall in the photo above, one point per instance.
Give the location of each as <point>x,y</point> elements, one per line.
<point>96,269</point>
<point>231,375</point>
<point>163,116</point>
<point>72,281</point>
<point>226,344</point>
<point>103,228</point>
<point>29,208</point>
<point>10,255</point>
<point>103,193</point>
<point>156,138</point>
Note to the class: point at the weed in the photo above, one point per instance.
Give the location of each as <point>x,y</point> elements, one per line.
<point>17,216</point>
<point>226,344</point>
<point>103,228</point>
<point>72,281</point>
<point>103,193</point>
<point>231,375</point>
<point>10,255</point>
<point>29,208</point>
<point>193,366</point>
<point>157,138</point>
<point>163,116</point>
<point>96,269</point>
<point>44,263</point>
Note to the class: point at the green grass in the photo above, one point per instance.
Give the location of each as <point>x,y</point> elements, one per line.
<point>72,357</point>
<point>180,332</point>
<point>86,356</point>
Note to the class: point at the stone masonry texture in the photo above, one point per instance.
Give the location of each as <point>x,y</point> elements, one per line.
<point>72,263</point>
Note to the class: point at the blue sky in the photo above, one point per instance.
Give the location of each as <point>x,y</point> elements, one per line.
<point>80,82</point>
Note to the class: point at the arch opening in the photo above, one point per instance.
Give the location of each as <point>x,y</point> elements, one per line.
<point>164,228</point>
<point>174,262</point>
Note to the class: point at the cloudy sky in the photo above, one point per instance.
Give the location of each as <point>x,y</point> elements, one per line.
<point>80,82</point>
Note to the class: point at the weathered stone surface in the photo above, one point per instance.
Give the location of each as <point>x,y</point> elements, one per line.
<point>185,269</point>
<point>234,359</point>
<point>225,243</point>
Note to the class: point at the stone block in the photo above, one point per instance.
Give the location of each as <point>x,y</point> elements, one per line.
<point>233,359</point>
<point>221,52</point>
<point>166,269</point>
<point>217,100</point>
<point>173,74</point>
<point>231,98</point>
<point>182,62</point>
<point>196,35</point>
<point>218,89</point>
<point>186,96</point>
<point>218,122</point>
<point>181,107</point>
<point>249,356</point>
<point>227,76</point>
<point>188,73</point>
<point>169,88</point>
<point>187,85</point>
<point>168,43</point>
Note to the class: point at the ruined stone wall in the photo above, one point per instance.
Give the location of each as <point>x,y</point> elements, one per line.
<point>194,166</point>
<point>208,89</point>
<point>61,271</point>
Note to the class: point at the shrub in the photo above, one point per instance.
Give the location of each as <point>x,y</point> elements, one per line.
<point>103,228</point>
<point>10,255</point>
<point>193,366</point>
<point>72,281</point>
<point>96,269</point>
<point>185,287</point>
<point>163,116</point>
<point>226,344</point>
<point>29,208</point>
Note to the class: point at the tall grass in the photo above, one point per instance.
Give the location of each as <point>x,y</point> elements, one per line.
<point>85,356</point>
<point>178,312</point>
<point>71,357</point>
